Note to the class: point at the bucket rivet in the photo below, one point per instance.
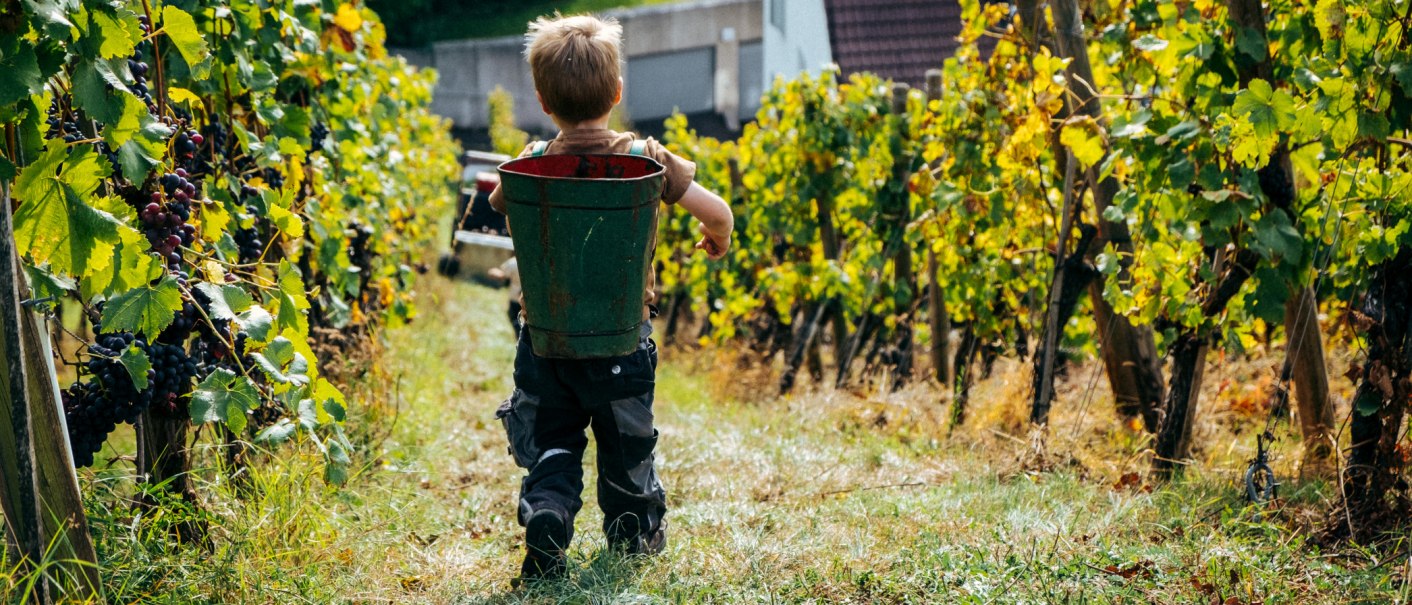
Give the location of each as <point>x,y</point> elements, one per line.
<point>617,370</point>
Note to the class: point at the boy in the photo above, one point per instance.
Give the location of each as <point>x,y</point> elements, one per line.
<point>575,63</point>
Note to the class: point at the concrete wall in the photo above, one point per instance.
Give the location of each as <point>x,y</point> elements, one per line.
<point>471,69</point>
<point>658,39</point>
<point>796,35</point>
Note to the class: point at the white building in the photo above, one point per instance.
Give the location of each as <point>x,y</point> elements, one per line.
<point>709,59</point>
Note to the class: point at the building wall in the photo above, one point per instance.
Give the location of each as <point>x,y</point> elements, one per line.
<point>796,38</point>
<point>691,54</point>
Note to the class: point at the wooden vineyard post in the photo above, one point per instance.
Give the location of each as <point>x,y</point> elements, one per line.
<point>1129,352</point>
<point>901,205</point>
<point>1044,389</point>
<point>936,302</point>
<point>1305,348</point>
<point>39,490</point>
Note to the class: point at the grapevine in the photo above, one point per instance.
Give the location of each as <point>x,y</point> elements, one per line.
<point>185,172</point>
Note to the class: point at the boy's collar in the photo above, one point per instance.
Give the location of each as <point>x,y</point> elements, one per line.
<point>590,131</point>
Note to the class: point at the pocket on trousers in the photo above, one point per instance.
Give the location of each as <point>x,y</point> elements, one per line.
<point>517,414</point>
<point>624,377</point>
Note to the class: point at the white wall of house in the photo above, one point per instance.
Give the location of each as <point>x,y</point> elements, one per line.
<point>796,38</point>
<point>696,56</point>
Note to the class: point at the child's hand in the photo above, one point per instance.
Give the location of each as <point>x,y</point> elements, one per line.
<point>714,245</point>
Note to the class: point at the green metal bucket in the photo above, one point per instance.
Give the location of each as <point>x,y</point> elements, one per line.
<point>583,228</point>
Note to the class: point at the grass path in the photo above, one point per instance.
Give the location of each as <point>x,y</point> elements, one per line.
<point>826,497</point>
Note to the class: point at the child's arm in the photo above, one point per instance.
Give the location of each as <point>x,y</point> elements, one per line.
<point>717,222</point>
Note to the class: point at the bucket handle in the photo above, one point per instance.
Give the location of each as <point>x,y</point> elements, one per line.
<point>639,147</point>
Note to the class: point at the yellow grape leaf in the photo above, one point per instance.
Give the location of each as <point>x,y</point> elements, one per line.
<point>215,273</point>
<point>348,18</point>
<point>1085,138</point>
<point>183,96</point>
<point>214,220</point>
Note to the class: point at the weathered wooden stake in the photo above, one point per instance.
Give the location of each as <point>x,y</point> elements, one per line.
<point>902,260</point>
<point>936,302</point>
<point>39,490</point>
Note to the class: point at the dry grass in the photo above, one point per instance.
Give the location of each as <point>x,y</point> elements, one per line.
<point>822,497</point>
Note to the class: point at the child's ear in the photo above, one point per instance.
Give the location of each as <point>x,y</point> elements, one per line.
<point>542,106</point>
<point>618,97</point>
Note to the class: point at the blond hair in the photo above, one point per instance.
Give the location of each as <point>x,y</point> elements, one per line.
<point>575,64</point>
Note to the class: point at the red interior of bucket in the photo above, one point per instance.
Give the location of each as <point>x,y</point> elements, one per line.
<point>576,166</point>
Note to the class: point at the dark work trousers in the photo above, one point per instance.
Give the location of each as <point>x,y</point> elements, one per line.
<point>554,401</point>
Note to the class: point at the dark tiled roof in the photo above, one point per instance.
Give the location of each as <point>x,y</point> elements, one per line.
<point>897,39</point>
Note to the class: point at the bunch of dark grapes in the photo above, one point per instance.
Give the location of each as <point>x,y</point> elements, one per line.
<point>173,372</point>
<point>266,414</point>
<point>88,414</point>
<point>183,323</point>
<point>1276,185</point>
<point>359,253</point>
<point>139,68</point>
<point>251,246</point>
<point>60,127</point>
<point>94,408</point>
<point>211,350</point>
<point>164,217</point>
<point>274,177</point>
<point>316,137</point>
<point>187,142</point>
<point>217,135</point>
<point>115,379</point>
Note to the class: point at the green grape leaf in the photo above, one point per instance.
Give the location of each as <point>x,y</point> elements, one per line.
<point>287,222</point>
<point>1403,72</point>
<point>282,363</point>
<point>1268,110</point>
<point>295,124</point>
<point>145,150</point>
<point>128,124</point>
<point>279,432</point>
<point>53,224</point>
<point>1131,126</point>
<point>226,301</point>
<point>1149,43</point>
<point>224,396</point>
<point>331,402</point>
<point>135,361</point>
<point>1374,126</point>
<point>291,300</point>
<point>54,15</point>
<point>46,284</point>
<point>1341,117</point>
<point>119,36</point>
<point>1270,295</point>
<point>98,89</point>
<point>147,309</point>
<point>1277,235</point>
<point>336,471</point>
<point>1250,43</point>
<point>231,303</point>
<point>181,30</point>
<point>132,267</point>
<point>1367,402</point>
<point>19,70</point>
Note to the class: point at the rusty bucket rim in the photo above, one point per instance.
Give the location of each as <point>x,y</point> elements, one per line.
<point>507,168</point>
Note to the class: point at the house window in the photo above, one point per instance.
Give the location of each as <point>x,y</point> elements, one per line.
<point>777,14</point>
